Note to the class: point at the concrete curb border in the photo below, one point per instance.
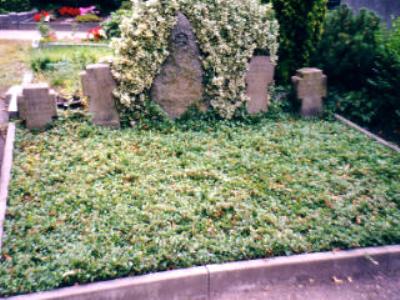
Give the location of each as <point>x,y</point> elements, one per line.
<point>5,178</point>
<point>207,282</point>
<point>367,133</point>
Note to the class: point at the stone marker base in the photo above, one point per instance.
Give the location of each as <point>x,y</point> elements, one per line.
<point>310,85</point>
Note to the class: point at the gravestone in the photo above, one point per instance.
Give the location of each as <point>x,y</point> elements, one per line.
<point>259,76</point>
<point>310,86</point>
<point>98,85</point>
<point>37,105</point>
<point>179,84</point>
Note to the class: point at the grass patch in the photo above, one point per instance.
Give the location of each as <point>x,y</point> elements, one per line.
<point>13,59</point>
<point>60,66</point>
<point>90,204</point>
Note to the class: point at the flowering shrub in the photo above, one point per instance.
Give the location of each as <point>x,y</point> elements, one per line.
<point>96,34</point>
<point>43,15</point>
<point>228,32</point>
<point>68,11</point>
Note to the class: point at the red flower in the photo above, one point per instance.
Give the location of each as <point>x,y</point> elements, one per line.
<point>95,33</point>
<point>39,16</point>
<point>69,11</point>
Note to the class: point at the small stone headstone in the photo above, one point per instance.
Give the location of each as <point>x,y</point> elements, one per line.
<point>310,85</point>
<point>98,85</point>
<point>259,76</point>
<point>37,105</point>
<point>180,82</point>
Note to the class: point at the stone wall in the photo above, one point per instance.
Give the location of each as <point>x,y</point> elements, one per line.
<point>384,8</point>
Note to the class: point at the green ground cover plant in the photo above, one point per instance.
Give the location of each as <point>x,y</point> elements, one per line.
<point>60,66</point>
<point>88,203</point>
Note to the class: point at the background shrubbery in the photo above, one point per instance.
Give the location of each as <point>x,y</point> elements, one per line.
<point>112,24</point>
<point>348,48</point>
<point>301,24</point>
<point>14,5</point>
<point>362,60</point>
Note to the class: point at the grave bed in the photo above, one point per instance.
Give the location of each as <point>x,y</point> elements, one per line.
<point>89,204</point>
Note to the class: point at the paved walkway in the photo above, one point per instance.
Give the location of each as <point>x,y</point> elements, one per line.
<point>380,287</point>
<point>31,35</point>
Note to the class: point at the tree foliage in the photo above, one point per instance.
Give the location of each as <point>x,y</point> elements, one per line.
<point>14,5</point>
<point>301,26</point>
<point>362,60</point>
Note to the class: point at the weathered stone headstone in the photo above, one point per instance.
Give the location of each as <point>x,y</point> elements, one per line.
<point>180,82</point>
<point>259,76</point>
<point>310,85</point>
<point>37,105</point>
<point>98,85</point>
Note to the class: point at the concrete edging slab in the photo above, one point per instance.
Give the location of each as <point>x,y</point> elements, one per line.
<point>367,133</point>
<point>318,268</point>
<point>6,175</point>
<point>207,282</point>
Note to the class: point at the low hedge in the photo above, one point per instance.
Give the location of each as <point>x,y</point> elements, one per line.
<point>14,5</point>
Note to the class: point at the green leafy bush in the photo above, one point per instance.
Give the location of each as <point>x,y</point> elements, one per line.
<point>112,25</point>
<point>228,33</point>
<point>358,105</point>
<point>362,60</point>
<point>14,5</point>
<point>383,86</point>
<point>301,24</point>
<point>88,18</point>
<point>348,47</point>
<point>391,37</point>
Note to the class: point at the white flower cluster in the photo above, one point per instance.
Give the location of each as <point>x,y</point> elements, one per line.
<point>228,33</point>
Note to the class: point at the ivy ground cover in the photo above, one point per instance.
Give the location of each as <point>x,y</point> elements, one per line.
<point>90,204</point>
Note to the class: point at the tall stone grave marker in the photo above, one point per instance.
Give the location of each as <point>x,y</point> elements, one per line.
<point>259,76</point>
<point>37,105</point>
<point>98,85</point>
<point>180,82</point>
<point>310,85</point>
